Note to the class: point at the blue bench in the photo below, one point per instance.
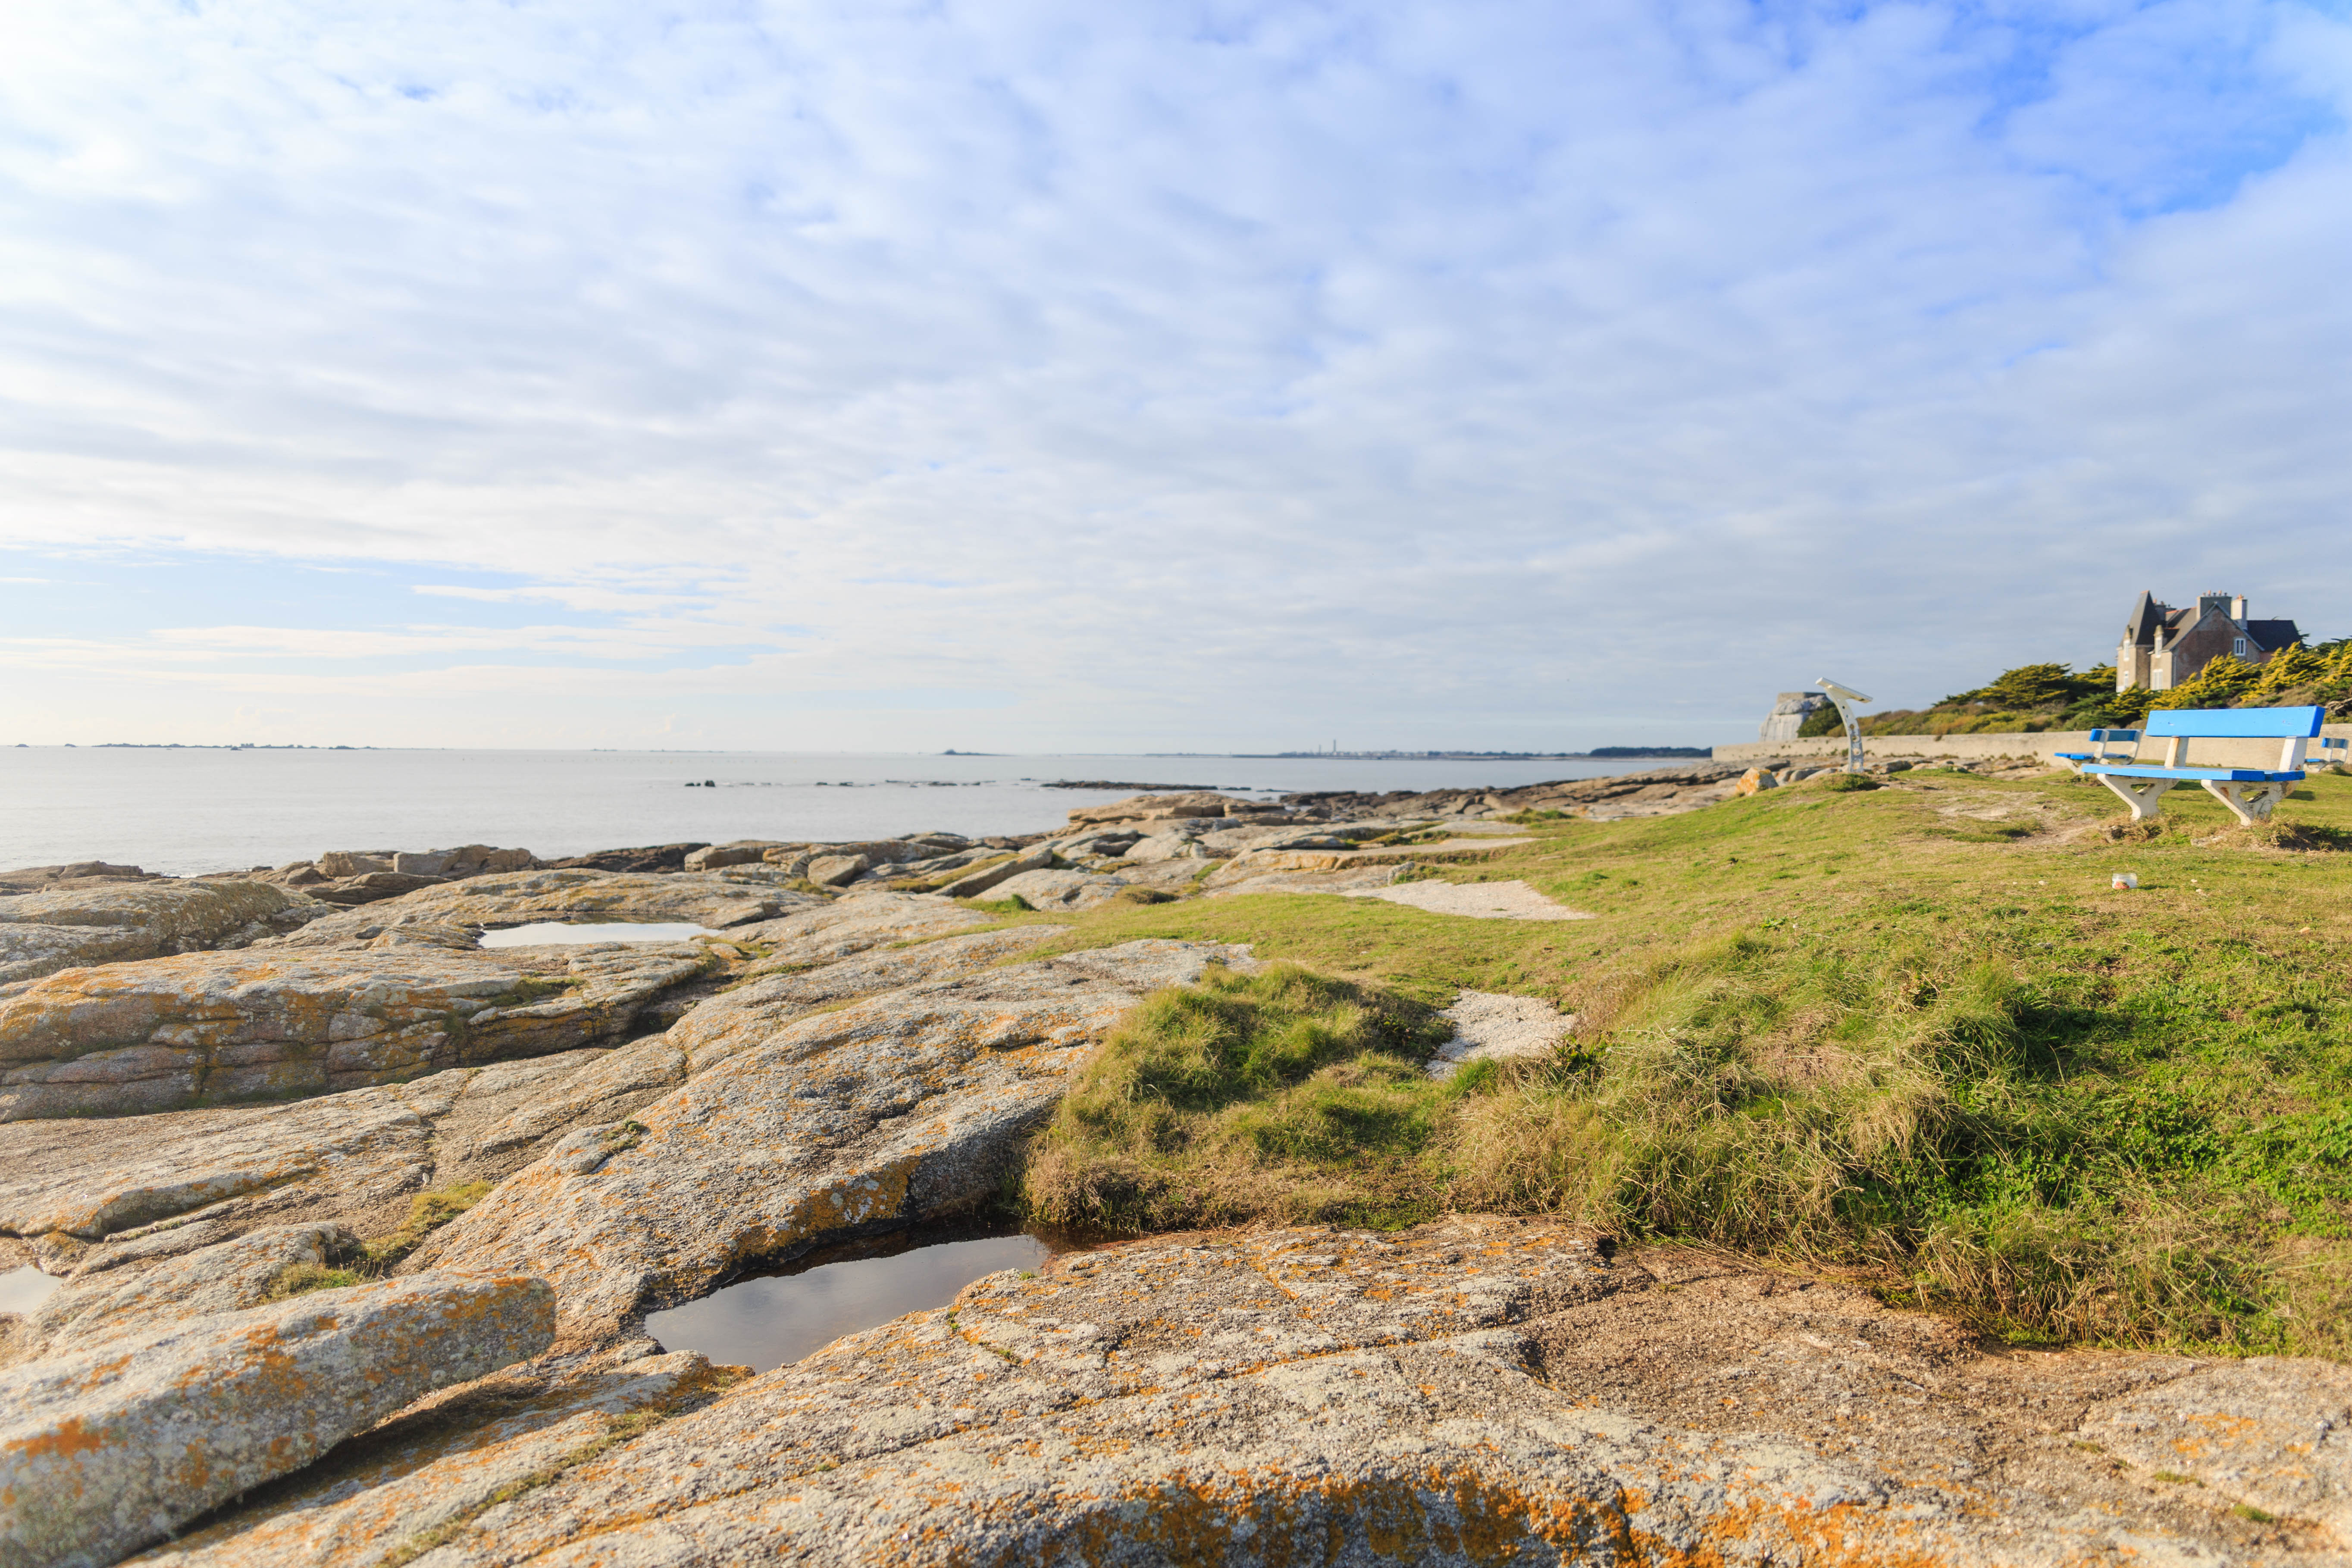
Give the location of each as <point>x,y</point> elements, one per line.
<point>2249,792</point>
<point>2102,739</point>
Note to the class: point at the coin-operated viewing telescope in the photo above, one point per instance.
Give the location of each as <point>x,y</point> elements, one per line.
<point>1847,700</point>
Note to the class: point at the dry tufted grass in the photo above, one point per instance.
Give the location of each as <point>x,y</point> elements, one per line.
<point>1282,1096</point>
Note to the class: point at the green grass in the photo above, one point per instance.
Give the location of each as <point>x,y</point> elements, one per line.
<point>428,1212</point>
<point>1882,1031</point>
<point>302,1279</point>
<point>1283,1095</point>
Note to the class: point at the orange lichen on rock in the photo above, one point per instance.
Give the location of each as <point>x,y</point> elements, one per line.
<point>239,1398</point>
<point>1318,1396</point>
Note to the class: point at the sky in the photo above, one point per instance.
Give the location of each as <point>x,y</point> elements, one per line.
<point>1024,376</point>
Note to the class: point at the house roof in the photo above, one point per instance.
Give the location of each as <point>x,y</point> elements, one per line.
<point>2140,626</point>
<point>2149,613</point>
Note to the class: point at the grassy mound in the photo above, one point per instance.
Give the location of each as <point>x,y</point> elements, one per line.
<point>1911,1031</point>
<point>1283,1095</point>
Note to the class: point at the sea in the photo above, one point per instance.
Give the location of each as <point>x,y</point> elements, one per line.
<point>182,812</point>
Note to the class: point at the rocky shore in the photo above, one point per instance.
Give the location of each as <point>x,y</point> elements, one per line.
<point>355,1225</point>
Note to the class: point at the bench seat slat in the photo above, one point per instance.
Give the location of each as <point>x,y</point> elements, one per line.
<point>2232,776</point>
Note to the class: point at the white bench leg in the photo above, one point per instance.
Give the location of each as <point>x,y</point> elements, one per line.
<point>2145,800</point>
<point>2248,802</point>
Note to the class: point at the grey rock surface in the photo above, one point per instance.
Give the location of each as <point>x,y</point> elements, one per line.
<point>107,920</point>
<point>836,870</point>
<point>106,1204</point>
<point>735,896</point>
<point>755,1010</point>
<point>164,1033</point>
<point>980,883</point>
<point>89,1181</point>
<point>112,1200</point>
<point>226,1277</point>
<point>899,1108</point>
<point>740,852</point>
<point>851,924</point>
<point>1506,900</point>
<point>1059,889</point>
<point>106,1450</point>
<point>1480,1390</point>
<point>378,1497</point>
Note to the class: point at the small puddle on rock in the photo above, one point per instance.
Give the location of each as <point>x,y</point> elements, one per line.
<point>546,932</point>
<point>23,1290</point>
<point>777,1319</point>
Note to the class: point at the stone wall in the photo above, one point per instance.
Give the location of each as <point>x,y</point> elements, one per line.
<point>1973,748</point>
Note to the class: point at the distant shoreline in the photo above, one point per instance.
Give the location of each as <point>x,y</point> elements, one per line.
<point>1600,754</point>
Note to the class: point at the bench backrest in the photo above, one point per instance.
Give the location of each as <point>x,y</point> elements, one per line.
<point>2293,728</point>
<point>2236,724</point>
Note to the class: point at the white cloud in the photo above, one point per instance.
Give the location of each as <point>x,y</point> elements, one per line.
<point>1481,373</point>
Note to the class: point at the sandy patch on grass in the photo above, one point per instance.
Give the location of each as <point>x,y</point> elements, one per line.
<point>1489,1027</point>
<point>1476,900</point>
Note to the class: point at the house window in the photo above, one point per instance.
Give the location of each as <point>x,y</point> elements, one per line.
<point>2240,647</point>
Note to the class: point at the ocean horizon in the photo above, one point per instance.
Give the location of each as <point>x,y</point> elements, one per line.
<point>188,810</point>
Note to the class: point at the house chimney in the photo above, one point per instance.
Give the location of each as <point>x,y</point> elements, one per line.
<point>2212,604</point>
<point>2238,609</point>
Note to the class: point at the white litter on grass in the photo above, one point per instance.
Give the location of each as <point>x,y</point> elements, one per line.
<point>1491,1027</point>
<point>1478,901</point>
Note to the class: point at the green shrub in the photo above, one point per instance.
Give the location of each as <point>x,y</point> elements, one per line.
<point>2219,684</point>
<point>1825,720</point>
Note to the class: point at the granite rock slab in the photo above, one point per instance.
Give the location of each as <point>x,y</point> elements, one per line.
<point>898,1107</point>
<point>129,1191</point>
<point>227,1277</point>
<point>756,1009</point>
<point>164,1033</point>
<point>1477,1390</point>
<point>1065,890</point>
<point>109,922</point>
<point>107,1451</point>
<point>737,894</point>
<point>851,924</point>
<point>378,1497</point>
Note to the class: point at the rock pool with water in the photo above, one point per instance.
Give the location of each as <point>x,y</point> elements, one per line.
<point>774,1320</point>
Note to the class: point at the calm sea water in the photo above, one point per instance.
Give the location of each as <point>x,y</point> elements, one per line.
<point>190,811</point>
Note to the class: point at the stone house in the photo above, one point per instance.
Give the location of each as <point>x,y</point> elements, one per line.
<point>2163,647</point>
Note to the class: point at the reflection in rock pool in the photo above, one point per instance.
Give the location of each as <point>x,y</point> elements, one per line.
<point>22,1289</point>
<point>546,932</point>
<point>775,1320</point>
